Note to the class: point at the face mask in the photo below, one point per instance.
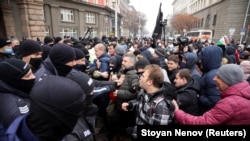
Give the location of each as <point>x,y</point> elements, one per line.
<point>23,85</point>
<point>80,67</point>
<point>8,50</point>
<point>62,69</point>
<point>35,62</point>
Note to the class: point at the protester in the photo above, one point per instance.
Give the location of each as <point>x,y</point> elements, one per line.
<point>126,91</point>
<point>173,67</point>
<point>187,92</point>
<point>153,104</point>
<point>232,108</point>
<point>210,58</point>
<point>16,81</point>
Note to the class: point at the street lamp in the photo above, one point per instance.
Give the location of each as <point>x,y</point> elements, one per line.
<point>163,24</point>
<point>115,1</point>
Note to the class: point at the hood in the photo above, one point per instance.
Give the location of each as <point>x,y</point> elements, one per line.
<point>211,58</point>
<point>230,50</point>
<point>191,59</point>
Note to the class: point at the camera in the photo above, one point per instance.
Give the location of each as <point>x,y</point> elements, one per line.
<point>182,40</point>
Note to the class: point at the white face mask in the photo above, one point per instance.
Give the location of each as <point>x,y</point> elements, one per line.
<point>8,50</point>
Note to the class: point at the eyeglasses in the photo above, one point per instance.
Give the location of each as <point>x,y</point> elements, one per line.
<point>140,74</point>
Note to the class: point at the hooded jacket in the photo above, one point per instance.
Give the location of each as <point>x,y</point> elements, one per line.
<point>211,61</point>
<point>232,109</point>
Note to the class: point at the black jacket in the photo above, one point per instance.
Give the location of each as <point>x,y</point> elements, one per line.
<point>187,97</point>
<point>13,103</point>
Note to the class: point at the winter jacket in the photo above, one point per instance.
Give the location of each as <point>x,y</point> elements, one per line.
<point>187,97</point>
<point>232,109</point>
<point>13,103</point>
<point>211,57</point>
<point>191,61</point>
<point>124,93</point>
<point>154,109</point>
<point>47,69</point>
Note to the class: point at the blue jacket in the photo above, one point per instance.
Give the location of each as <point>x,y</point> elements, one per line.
<point>211,61</point>
<point>19,131</point>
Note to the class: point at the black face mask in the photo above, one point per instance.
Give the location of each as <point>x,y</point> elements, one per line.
<point>23,85</point>
<point>62,69</point>
<point>80,67</point>
<point>35,62</point>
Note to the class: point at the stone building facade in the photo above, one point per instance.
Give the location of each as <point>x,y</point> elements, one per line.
<point>38,18</point>
<point>221,16</point>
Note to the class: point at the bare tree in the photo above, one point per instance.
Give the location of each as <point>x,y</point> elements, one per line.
<point>184,21</point>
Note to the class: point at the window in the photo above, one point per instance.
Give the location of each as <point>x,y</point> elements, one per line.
<point>94,33</point>
<point>72,32</point>
<point>214,21</point>
<point>201,23</point>
<point>208,21</point>
<point>67,15</point>
<point>46,31</point>
<point>106,20</point>
<point>95,1</point>
<point>90,17</point>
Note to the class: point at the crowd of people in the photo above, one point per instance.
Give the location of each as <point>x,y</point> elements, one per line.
<point>61,88</point>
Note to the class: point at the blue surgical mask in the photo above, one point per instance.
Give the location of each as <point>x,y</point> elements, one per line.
<point>8,50</point>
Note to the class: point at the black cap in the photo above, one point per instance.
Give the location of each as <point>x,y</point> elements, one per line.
<point>13,68</point>
<point>29,47</point>
<point>4,41</point>
<point>61,54</point>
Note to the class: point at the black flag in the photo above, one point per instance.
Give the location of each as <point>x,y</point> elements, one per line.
<point>158,28</point>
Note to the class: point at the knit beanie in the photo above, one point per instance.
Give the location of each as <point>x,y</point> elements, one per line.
<point>29,47</point>
<point>4,41</point>
<point>13,68</point>
<point>156,61</point>
<point>57,39</point>
<point>141,63</point>
<point>61,54</point>
<point>86,83</point>
<point>48,39</point>
<point>119,50</point>
<point>160,52</point>
<point>231,74</point>
<point>79,53</point>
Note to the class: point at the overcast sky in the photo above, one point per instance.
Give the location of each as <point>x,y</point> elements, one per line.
<point>150,8</point>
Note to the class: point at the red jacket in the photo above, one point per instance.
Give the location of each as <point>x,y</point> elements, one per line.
<point>232,109</point>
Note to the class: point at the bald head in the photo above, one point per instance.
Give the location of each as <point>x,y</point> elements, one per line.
<point>100,49</point>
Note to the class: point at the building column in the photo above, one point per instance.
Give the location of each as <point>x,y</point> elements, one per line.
<point>32,18</point>
<point>9,23</point>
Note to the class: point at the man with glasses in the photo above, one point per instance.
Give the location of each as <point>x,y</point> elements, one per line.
<point>153,104</point>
